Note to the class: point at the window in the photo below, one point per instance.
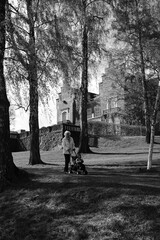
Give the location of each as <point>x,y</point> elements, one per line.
<point>97,111</point>
<point>114,102</point>
<point>89,113</point>
<point>107,104</point>
<point>64,116</point>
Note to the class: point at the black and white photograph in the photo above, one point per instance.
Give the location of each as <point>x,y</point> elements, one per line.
<point>79,119</point>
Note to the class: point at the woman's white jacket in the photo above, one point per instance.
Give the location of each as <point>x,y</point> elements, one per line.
<point>68,145</point>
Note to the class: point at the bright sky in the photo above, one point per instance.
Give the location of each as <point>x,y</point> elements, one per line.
<point>47,116</point>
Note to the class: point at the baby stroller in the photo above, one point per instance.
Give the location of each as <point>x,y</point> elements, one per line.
<point>77,165</point>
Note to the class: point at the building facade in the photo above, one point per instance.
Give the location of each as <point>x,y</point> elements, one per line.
<point>67,105</point>
<point>112,99</point>
<point>107,106</point>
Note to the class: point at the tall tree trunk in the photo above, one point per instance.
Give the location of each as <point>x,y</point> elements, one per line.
<point>33,82</point>
<point>153,123</point>
<point>145,96</point>
<point>145,89</point>
<point>8,170</point>
<point>84,146</point>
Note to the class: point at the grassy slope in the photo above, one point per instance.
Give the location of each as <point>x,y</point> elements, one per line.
<point>115,201</point>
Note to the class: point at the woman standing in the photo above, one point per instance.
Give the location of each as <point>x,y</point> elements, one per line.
<point>68,147</point>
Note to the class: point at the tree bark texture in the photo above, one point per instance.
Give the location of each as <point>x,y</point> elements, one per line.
<point>145,96</point>
<point>33,84</point>
<point>153,123</point>
<point>145,89</point>
<point>7,168</point>
<point>84,146</point>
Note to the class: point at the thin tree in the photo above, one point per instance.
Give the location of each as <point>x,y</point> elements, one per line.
<point>154,53</point>
<point>143,68</point>
<point>153,123</point>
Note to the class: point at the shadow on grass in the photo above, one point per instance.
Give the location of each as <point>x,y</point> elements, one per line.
<point>121,153</point>
<point>51,164</point>
<point>156,142</point>
<point>97,177</point>
<point>109,203</point>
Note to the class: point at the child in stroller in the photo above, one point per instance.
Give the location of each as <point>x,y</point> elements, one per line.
<point>77,165</point>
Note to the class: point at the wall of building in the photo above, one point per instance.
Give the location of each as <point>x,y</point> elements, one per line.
<point>111,98</point>
<point>68,104</point>
<point>65,104</point>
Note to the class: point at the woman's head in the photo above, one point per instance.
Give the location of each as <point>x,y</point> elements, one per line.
<point>67,134</point>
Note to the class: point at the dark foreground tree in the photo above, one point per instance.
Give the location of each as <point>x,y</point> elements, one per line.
<point>84,146</point>
<point>8,170</point>
<point>33,84</point>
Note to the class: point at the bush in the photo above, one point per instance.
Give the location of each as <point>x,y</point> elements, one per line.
<point>131,130</point>
<point>102,129</point>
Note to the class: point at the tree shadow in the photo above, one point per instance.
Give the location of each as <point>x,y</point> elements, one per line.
<point>50,164</point>
<point>97,177</point>
<point>58,207</point>
<point>121,153</point>
<point>156,142</point>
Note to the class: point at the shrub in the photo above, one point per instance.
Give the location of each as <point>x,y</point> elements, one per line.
<point>102,129</point>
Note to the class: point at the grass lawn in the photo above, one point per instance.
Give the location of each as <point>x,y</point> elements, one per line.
<point>117,200</point>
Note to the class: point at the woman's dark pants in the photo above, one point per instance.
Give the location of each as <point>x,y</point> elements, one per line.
<point>67,160</point>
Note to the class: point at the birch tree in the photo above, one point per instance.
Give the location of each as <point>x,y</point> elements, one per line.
<point>28,59</point>
<point>88,20</point>
<point>153,123</point>
<point>154,53</point>
<point>38,54</point>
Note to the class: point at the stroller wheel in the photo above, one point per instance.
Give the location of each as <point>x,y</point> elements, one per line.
<point>86,172</point>
<point>78,173</point>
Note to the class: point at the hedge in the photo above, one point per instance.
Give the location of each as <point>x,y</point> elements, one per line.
<point>102,129</point>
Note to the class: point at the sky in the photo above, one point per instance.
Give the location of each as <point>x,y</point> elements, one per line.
<point>47,116</point>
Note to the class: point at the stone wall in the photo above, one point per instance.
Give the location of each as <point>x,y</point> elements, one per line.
<point>51,137</point>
